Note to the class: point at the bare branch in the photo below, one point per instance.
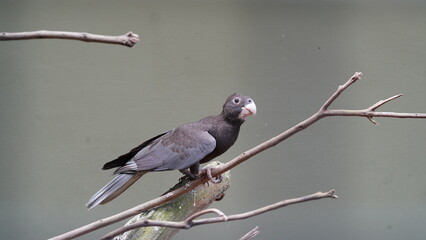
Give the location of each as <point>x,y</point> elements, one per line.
<point>370,112</point>
<point>210,210</point>
<point>381,102</point>
<point>357,76</point>
<point>251,234</point>
<point>129,39</point>
<point>191,222</point>
<point>323,112</point>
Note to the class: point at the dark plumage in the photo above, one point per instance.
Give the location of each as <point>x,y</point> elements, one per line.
<point>182,148</point>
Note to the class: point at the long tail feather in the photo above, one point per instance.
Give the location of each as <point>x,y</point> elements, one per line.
<point>114,188</point>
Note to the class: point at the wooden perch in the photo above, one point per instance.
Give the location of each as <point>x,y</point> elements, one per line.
<point>177,210</point>
<point>129,39</point>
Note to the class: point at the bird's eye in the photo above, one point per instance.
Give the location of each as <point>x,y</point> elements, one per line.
<point>237,100</point>
<point>249,101</point>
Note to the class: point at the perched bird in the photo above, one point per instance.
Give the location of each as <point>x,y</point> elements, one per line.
<point>182,148</point>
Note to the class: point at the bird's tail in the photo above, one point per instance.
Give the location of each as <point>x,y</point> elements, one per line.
<point>114,188</point>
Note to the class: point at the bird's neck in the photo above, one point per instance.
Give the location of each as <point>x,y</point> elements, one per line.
<point>232,120</point>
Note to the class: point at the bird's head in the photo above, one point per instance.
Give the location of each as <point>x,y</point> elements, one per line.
<point>238,107</point>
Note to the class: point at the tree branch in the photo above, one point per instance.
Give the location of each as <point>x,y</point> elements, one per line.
<point>188,206</point>
<point>251,234</point>
<point>323,112</point>
<point>129,39</point>
<point>357,76</point>
<point>191,220</point>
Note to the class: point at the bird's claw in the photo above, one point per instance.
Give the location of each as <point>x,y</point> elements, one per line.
<point>208,172</point>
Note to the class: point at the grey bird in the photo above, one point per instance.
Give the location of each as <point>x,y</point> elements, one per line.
<point>182,148</point>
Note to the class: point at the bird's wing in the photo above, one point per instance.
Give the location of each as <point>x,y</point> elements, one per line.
<point>178,149</point>
<point>123,159</point>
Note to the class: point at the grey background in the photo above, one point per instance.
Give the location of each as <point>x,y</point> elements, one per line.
<point>66,107</point>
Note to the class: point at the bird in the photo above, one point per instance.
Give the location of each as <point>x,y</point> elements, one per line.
<point>183,148</point>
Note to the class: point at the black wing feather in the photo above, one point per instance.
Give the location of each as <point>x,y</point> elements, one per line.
<point>123,159</point>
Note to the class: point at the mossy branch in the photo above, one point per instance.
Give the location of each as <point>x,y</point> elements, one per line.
<point>179,209</point>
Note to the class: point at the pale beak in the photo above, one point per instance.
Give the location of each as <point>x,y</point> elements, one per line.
<point>247,110</point>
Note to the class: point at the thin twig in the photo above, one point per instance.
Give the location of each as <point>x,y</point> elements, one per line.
<point>129,39</point>
<point>191,221</point>
<point>380,103</point>
<point>203,212</point>
<point>323,112</point>
<point>357,76</point>
<point>251,234</point>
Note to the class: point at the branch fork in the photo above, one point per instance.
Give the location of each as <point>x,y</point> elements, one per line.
<point>379,104</point>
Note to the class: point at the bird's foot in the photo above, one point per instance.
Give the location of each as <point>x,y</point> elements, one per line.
<point>187,175</point>
<point>208,172</point>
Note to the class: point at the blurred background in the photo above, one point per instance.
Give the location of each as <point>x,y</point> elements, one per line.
<point>67,107</point>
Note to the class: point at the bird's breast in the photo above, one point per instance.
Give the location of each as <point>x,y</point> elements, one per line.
<point>225,138</point>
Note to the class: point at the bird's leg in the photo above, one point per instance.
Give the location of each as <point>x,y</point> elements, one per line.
<point>195,169</point>
<point>208,172</point>
<point>191,173</point>
<point>187,175</point>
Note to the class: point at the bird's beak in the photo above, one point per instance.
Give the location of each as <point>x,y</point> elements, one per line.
<point>247,110</point>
